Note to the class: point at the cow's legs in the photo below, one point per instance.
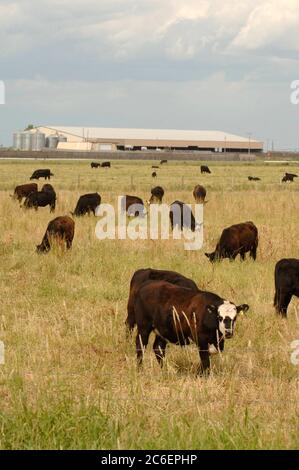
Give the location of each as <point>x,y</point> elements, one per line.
<point>242,255</point>
<point>253,252</point>
<point>68,244</point>
<point>283,298</point>
<point>204,368</point>
<point>141,343</point>
<point>159,349</point>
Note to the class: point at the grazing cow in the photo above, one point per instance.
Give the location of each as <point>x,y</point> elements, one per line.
<point>289,177</point>
<point>41,174</point>
<point>254,178</point>
<point>236,240</point>
<point>143,275</point>
<point>205,169</point>
<point>48,187</point>
<point>155,166</point>
<point>162,162</point>
<point>199,194</point>
<point>154,174</point>
<point>95,165</point>
<point>181,216</point>
<point>133,206</point>
<point>41,199</point>
<point>286,284</point>
<point>180,316</point>
<point>23,190</point>
<point>106,165</point>
<point>61,229</point>
<point>157,194</point>
<point>86,204</point>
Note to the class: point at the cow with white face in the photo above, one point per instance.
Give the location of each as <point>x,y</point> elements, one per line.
<point>227,315</point>
<point>179,315</point>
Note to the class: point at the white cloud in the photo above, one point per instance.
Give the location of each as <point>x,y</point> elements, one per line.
<point>272,23</point>
<point>126,28</point>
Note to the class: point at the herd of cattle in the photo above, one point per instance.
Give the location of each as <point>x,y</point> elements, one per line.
<point>165,302</point>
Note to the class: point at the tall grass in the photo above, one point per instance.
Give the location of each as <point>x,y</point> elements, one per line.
<point>70,377</point>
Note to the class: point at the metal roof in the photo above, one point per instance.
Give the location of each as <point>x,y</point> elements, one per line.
<point>147,134</point>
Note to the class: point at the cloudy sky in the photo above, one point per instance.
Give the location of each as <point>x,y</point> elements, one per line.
<point>180,64</point>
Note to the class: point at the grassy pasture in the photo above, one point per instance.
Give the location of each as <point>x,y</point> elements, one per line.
<point>69,378</point>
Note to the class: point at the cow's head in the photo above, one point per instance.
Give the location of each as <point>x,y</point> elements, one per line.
<point>223,317</point>
<point>211,256</point>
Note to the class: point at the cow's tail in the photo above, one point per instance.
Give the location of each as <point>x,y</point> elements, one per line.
<point>131,319</point>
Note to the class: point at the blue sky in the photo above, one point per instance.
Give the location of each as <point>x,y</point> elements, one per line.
<point>183,64</point>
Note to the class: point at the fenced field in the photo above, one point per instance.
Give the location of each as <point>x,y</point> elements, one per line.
<point>69,378</point>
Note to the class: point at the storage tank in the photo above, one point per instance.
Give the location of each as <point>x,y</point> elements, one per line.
<point>52,141</point>
<point>17,140</point>
<point>26,140</point>
<point>38,140</point>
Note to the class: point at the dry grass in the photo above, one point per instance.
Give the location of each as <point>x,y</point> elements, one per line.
<point>70,380</point>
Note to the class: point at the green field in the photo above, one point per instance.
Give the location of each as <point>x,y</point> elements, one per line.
<point>70,378</point>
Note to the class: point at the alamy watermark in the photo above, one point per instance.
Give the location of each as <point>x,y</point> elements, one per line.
<point>154,223</point>
<point>2,92</point>
<point>295,352</point>
<point>294,97</point>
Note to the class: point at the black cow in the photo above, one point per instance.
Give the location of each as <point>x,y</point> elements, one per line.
<point>236,240</point>
<point>181,316</point>
<point>95,165</point>
<point>155,166</point>
<point>133,206</point>
<point>41,174</point>
<point>61,229</point>
<point>86,204</point>
<point>205,169</point>
<point>106,165</point>
<point>162,162</point>
<point>286,284</point>
<point>154,174</point>
<point>289,177</point>
<point>157,194</point>
<point>181,216</point>
<point>143,275</point>
<point>41,199</point>
<point>254,178</point>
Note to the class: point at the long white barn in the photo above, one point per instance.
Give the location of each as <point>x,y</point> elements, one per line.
<point>97,138</point>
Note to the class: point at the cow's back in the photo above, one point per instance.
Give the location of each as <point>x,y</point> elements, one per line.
<point>287,273</point>
<point>240,235</point>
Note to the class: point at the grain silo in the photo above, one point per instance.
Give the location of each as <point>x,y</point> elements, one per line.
<point>52,141</point>
<point>26,140</point>
<point>17,140</point>
<point>38,140</point>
